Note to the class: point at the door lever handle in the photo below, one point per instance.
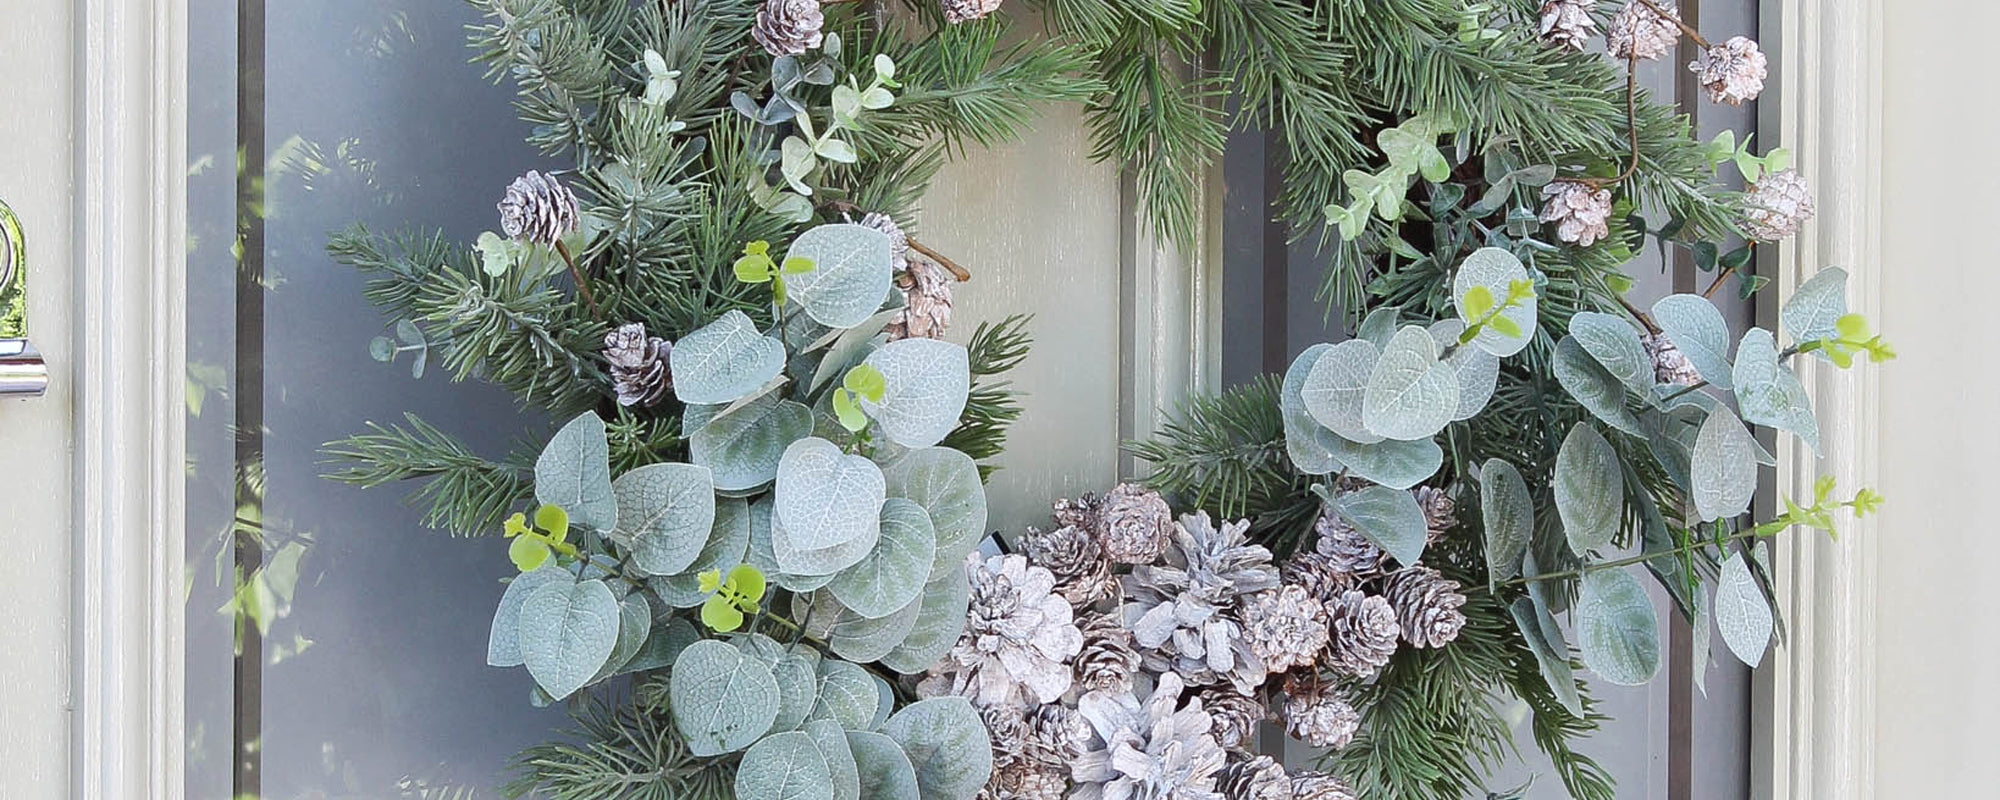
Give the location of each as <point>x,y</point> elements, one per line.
<point>22,371</point>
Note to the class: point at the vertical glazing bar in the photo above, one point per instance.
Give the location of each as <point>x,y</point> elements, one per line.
<point>248,709</point>
<point>1277,261</point>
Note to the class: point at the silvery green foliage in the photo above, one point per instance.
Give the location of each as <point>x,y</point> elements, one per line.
<point>1617,629</point>
<point>1741,612</point>
<point>1509,513</point>
<point>1812,310</point>
<point>850,275</point>
<point>886,772</point>
<point>728,542</point>
<point>1388,517</point>
<point>574,472</point>
<point>568,631</point>
<point>1411,393</point>
<point>894,574</point>
<point>947,747</point>
<point>665,515</point>
<point>945,482</point>
<point>784,766</point>
<point>825,497</point>
<point>1545,638</point>
<point>1696,326</point>
<point>1594,387</point>
<point>940,618</point>
<point>724,360</point>
<point>1589,490</point>
<point>1495,270</point>
<point>742,448</point>
<point>503,644</point>
<point>1724,467</point>
<point>723,698</point>
<point>928,381</point>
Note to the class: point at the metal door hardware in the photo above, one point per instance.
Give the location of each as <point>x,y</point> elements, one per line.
<point>22,371</point>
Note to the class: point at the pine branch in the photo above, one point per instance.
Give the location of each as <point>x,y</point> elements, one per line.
<point>626,749</point>
<point>462,493</point>
<point>993,406</point>
<point>1226,455</point>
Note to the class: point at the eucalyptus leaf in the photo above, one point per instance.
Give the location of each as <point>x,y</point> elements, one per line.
<point>1724,467</point>
<point>635,624</point>
<point>1535,624</point>
<point>850,347</point>
<point>945,482</point>
<point>1308,443</point>
<point>1391,463</point>
<point>1616,628</point>
<point>723,699</point>
<point>503,644</point>
<point>825,497</point>
<point>1594,387</point>
<point>574,473</point>
<point>743,449</point>
<point>1332,390</point>
<point>1508,511</point>
<point>728,541</point>
<point>893,574</point>
<point>847,695</point>
<point>928,381</point>
<point>1388,517</point>
<point>831,739</point>
<point>724,360</point>
<point>940,619</point>
<point>1478,371</point>
<point>1411,394</point>
<point>798,690</point>
<point>860,639</point>
<point>784,766</point>
<point>947,745</point>
<point>1740,611</point>
<point>1812,310</point>
<point>1768,392</point>
<point>1615,345</point>
<point>817,566</point>
<point>886,773</point>
<point>1379,325</point>
<point>851,272</point>
<point>568,632</point>
<point>1496,270</point>
<point>1695,326</point>
<point>1589,490</point>
<point>665,515</point>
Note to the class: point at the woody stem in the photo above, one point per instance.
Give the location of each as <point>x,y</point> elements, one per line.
<point>582,286</point>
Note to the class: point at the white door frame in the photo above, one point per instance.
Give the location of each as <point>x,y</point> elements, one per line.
<point>1814,714</point>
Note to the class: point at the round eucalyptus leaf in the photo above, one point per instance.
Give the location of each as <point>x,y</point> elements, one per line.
<point>816,566</point>
<point>798,690</point>
<point>1388,517</point>
<point>743,448</point>
<point>724,360</point>
<point>1594,387</point>
<point>1768,392</point>
<point>665,514</point>
<point>1723,466</point>
<point>927,382</point>
<point>850,274</point>
<point>1478,371</point>
<point>825,497</point>
<point>1812,310</point>
<point>886,773</point>
<point>1616,628</point>
<point>503,643</point>
<point>1308,443</point>
<point>723,699</point>
<point>1379,325</point>
<point>947,745</point>
<point>1614,344</point>
<point>1391,463</point>
<point>784,766</point>
<point>1496,270</point>
<point>885,701</point>
<point>574,472</point>
<point>940,620</point>
<point>945,482</point>
<point>850,635</point>
<point>1411,394</point>
<point>635,624</point>
<point>1695,326</point>
<point>664,645</point>
<point>894,573</point>
<point>1509,513</point>
<point>568,632</point>
<point>1333,390</point>
<point>1589,489</point>
<point>1740,611</point>
<point>831,739</point>
<point>847,695</point>
<point>728,541</point>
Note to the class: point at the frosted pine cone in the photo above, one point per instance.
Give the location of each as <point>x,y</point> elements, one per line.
<point>1235,716</point>
<point>1108,659</point>
<point>1057,735</point>
<point>1346,551</point>
<point>1568,22</point>
<point>1008,731</point>
<point>1670,365</point>
<point>640,372</point>
<point>1362,634</point>
<point>1440,513</point>
<point>1026,781</point>
<point>538,209</point>
<point>1084,513</point>
<point>1777,206</point>
<point>789,27</point>
<point>1581,211</point>
<point>1134,524</point>
<point>926,310</point>
<point>1317,712</point>
<point>1426,605</point>
<point>1733,71</point>
<point>1254,778</point>
<point>1018,639</point>
<point>957,11</point>
<point>1320,786</point>
<point>1083,575</point>
<point>1155,750</point>
<point>899,242</point>
<point>1286,627</point>
<point>1182,609</point>
<point>1637,32</point>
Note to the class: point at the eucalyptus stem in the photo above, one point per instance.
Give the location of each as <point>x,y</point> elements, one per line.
<point>1642,558</point>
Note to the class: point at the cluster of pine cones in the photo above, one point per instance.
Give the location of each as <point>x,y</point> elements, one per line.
<point>1191,637</point>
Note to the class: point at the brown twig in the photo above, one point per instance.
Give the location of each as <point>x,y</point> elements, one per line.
<point>1685,28</point>
<point>956,271</point>
<point>1631,123</point>
<point>1717,284</point>
<point>582,286</point>
<point>1644,318</point>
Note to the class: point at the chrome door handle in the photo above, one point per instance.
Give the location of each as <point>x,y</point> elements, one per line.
<point>22,371</point>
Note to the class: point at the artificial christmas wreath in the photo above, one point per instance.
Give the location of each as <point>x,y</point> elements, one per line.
<point>766,505</point>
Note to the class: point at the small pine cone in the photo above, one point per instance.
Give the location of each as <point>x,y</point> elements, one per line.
<point>1670,365</point>
<point>789,27</point>
<point>926,301</point>
<point>1347,552</point>
<point>1320,786</point>
<point>1317,712</point>
<point>1026,781</point>
<point>640,371</point>
<point>1134,524</point>
<point>899,242</point>
<point>1057,734</point>
<point>1233,716</point>
<point>1363,632</point>
<point>1777,206</point>
<point>1316,574</point>
<point>1286,627</point>
<point>1568,22</point>
<point>1254,778</point>
<point>1581,211</point>
<point>1733,71</point>
<point>1083,513</point>
<point>1440,513</point>
<point>538,208</point>
<point>1083,575</point>
<point>1109,659</point>
<point>957,11</point>
<point>1426,605</point>
<point>1638,32</point>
